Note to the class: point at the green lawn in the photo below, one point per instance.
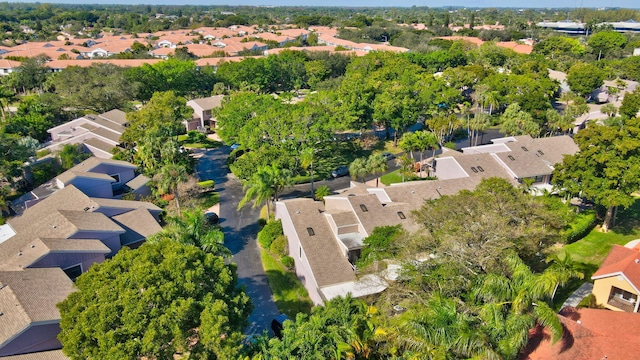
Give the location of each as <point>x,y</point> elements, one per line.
<point>589,252</point>
<point>290,296</point>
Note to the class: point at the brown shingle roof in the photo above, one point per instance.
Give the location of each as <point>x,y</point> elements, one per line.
<point>30,296</point>
<point>41,355</point>
<point>125,204</point>
<point>99,144</point>
<point>138,225</point>
<point>35,249</point>
<point>116,116</point>
<point>93,162</point>
<point>90,221</point>
<point>326,260</point>
<point>67,176</point>
<point>209,103</point>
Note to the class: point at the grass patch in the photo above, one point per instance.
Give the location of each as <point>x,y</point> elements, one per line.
<point>589,252</point>
<point>391,178</point>
<point>289,294</point>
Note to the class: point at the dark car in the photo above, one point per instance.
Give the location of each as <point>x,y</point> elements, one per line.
<point>340,171</point>
<point>277,325</point>
<point>211,217</point>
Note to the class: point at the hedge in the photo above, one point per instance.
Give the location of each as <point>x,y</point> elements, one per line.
<point>585,221</point>
<point>269,233</point>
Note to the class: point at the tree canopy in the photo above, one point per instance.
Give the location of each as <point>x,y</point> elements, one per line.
<point>155,301</point>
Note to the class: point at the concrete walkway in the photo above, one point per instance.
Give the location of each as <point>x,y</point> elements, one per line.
<point>583,291</point>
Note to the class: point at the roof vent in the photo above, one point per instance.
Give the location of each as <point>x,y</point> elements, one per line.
<point>297,211</point>
<point>637,261</point>
<point>32,246</point>
<point>87,208</point>
<point>19,253</point>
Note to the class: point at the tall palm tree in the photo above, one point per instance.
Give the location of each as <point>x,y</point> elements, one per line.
<point>408,143</point>
<point>377,164</point>
<point>478,125</point>
<point>493,100</point>
<point>359,169</point>
<point>306,161</point>
<point>406,166</point>
<point>168,178</point>
<point>193,229</point>
<point>425,140</point>
<point>264,186</point>
<point>511,305</point>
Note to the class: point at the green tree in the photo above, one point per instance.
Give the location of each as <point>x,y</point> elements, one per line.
<point>359,169</point>
<point>265,186</point>
<point>168,178</point>
<point>518,122</point>
<point>30,75</point>
<point>154,302</point>
<point>321,192</point>
<point>606,169</point>
<point>99,87</point>
<point>584,78</point>
<point>306,161</point>
<point>71,155</point>
<point>630,104</point>
<point>609,109</point>
<point>192,229</point>
<point>377,165</point>
<point>606,42</point>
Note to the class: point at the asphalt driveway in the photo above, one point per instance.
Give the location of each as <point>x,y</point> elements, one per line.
<point>240,229</point>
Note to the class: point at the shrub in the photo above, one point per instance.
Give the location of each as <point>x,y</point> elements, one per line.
<point>206,184</point>
<point>288,262</point>
<point>279,246</point>
<point>42,153</point>
<point>580,227</point>
<point>269,233</point>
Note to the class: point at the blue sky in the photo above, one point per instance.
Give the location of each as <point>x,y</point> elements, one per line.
<point>431,3</point>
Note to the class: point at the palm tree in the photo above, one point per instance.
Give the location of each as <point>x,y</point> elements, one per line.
<point>264,186</point>
<point>406,166</point>
<point>609,109</point>
<point>511,305</point>
<point>306,161</point>
<point>478,125</point>
<point>425,140</point>
<point>377,164</point>
<point>193,229</point>
<point>493,100</point>
<point>168,178</point>
<point>567,96</point>
<point>408,143</point>
<point>321,192</point>
<point>359,169</point>
<point>563,268</point>
<point>71,154</point>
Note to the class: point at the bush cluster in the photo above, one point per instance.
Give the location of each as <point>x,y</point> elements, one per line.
<point>580,227</point>
<point>269,233</point>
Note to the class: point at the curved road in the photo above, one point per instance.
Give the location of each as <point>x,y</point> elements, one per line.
<point>240,229</point>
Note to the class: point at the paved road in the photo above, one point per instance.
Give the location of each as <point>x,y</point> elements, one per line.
<point>240,228</point>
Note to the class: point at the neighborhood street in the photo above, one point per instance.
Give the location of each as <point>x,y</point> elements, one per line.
<point>240,229</point>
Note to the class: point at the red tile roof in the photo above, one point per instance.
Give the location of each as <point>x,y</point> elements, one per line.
<point>621,261</point>
<point>589,334</point>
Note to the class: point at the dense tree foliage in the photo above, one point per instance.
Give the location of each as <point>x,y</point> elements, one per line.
<point>605,169</point>
<point>155,301</point>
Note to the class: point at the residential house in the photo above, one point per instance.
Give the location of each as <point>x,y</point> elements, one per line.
<point>202,112</point>
<point>325,239</point>
<point>99,134</point>
<point>52,243</point>
<point>616,283</point>
<point>30,320</point>
<point>588,334</point>
<point>96,177</point>
<point>8,66</point>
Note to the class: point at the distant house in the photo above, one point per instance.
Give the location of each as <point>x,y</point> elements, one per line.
<point>202,112</point>
<point>616,284</point>
<point>98,133</point>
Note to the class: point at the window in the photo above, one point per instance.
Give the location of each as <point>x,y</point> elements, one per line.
<point>524,148</point>
<point>116,177</point>
<point>73,271</point>
<point>538,179</point>
<point>511,158</point>
<point>363,207</point>
<point>310,231</point>
<point>300,256</point>
<point>622,299</point>
<point>480,169</point>
<point>401,215</point>
<point>474,169</point>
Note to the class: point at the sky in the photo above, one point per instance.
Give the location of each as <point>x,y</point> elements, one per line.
<point>371,3</point>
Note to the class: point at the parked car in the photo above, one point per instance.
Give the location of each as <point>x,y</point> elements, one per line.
<point>277,324</point>
<point>388,156</point>
<point>340,171</point>
<point>211,217</point>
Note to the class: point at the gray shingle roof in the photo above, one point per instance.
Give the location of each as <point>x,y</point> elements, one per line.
<point>125,204</point>
<point>41,355</point>
<point>209,103</point>
<point>30,296</point>
<point>138,225</point>
<point>116,116</point>
<point>99,144</point>
<point>326,260</point>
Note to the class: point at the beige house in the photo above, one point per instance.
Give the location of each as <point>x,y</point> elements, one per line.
<point>616,283</point>
<point>202,116</point>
